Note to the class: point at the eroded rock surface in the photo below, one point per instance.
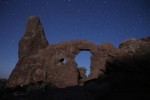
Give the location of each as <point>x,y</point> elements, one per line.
<point>55,64</point>
<point>33,39</point>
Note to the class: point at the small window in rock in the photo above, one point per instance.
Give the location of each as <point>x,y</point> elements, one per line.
<point>63,60</point>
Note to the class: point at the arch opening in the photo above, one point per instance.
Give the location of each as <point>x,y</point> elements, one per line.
<point>83,60</point>
<point>63,61</point>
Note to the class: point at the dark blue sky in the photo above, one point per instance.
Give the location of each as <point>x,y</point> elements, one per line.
<point>94,20</point>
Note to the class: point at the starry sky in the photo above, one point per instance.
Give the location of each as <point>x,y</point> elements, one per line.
<point>95,20</point>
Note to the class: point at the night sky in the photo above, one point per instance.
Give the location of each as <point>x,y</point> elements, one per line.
<point>95,20</point>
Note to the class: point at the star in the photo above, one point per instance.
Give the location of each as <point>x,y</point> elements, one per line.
<point>12,41</point>
<point>140,19</point>
<point>104,2</point>
<point>78,10</point>
<point>47,3</point>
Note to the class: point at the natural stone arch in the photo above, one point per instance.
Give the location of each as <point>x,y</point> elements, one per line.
<point>54,62</point>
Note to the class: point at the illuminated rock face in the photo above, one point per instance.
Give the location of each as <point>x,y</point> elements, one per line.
<point>55,64</point>
<point>33,39</point>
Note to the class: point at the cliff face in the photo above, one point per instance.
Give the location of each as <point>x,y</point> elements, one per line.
<point>55,64</point>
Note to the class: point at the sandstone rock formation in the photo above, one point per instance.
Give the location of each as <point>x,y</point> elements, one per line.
<point>55,64</point>
<point>33,39</point>
<point>82,75</point>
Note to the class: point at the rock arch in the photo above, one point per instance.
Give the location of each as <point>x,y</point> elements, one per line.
<point>38,60</point>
